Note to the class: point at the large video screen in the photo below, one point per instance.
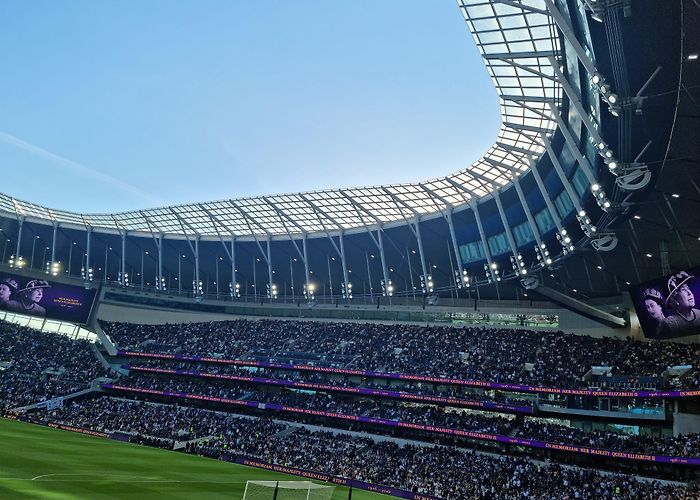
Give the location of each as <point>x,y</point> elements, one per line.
<point>45,298</point>
<point>667,306</point>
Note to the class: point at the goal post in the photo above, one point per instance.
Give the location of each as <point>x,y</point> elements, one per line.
<point>287,490</point>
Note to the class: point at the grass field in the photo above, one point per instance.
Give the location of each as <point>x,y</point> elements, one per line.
<point>43,463</point>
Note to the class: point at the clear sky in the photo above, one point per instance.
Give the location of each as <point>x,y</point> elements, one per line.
<point>117,105</point>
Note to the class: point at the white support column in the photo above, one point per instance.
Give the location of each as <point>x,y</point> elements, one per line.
<point>575,199</point>
<point>160,284</point>
<point>573,146</point>
<point>492,267</point>
<point>53,245</point>
<point>269,270</point>
<point>528,212</point>
<point>234,290</point>
<point>306,261</point>
<point>575,101</point>
<point>216,274</point>
<point>482,235</point>
<point>123,260</point>
<point>509,234</point>
<point>545,196</point>
<point>385,271</point>
<point>20,223</point>
<point>179,271</point>
<point>346,277</point>
<point>453,237</point>
<point>570,36</point>
<point>70,257</point>
<point>422,255</point>
<point>87,253</point>
<point>196,266</point>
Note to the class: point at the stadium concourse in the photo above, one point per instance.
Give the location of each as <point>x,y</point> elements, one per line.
<point>524,327</point>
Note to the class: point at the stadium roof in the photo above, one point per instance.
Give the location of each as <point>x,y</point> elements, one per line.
<point>517,40</point>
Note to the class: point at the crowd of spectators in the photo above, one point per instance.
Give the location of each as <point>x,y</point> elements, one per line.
<point>683,445</point>
<point>490,354</point>
<point>36,366</point>
<point>407,387</point>
<point>419,414</point>
<point>444,472</point>
<point>153,420</point>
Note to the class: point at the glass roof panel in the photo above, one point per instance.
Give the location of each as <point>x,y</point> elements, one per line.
<point>516,43</point>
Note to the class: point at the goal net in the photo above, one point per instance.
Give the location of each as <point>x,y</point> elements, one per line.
<point>287,490</point>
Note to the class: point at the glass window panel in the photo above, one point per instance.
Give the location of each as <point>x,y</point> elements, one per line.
<point>580,181</point>
<point>544,221</point>
<point>472,252</point>
<point>498,244</point>
<point>523,234</point>
<point>563,204</point>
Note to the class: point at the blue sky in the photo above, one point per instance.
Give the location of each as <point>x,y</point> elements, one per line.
<point>108,106</point>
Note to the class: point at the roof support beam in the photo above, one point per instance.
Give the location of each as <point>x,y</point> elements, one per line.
<point>123,276</point>
<point>484,242</point>
<point>546,197</point>
<point>575,100</point>
<point>570,36</point>
<point>268,259</point>
<point>20,225</point>
<point>522,6</point>
<point>376,240</point>
<point>533,71</point>
<point>569,138</point>
<point>184,232</point>
<point>340,250</point>
<point>284,216</point>
<point>562,176</point>
<point>509,233</point>
<point>248,219</point>
<point>122,233</point>
<point>388,285</point>
<point>525,98</point>
<point>519,55</point>
<point>447,214</point>
<point>53,244</point>
<point>359,208</point>
<point>86,275</point>
<point>234,282</point>
<point>515,149</point>
<point>462,190</point>
<point>527,128</point>
<point>197,280</point>
<point>489,182</point>
<point>415,229</point>
<point>526,209</point>
<point>215,220</point>
<point>530,219</point>
<point>160,279</point>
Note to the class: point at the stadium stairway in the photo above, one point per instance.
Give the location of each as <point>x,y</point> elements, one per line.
<point>104,339</point>
<point>94,388</point>
<point>178,445</point>
<point>245,396</point>
<point>289,430</point>
<point>116,368</point>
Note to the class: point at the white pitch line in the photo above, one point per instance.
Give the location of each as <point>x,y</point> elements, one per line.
<point>96,475</point>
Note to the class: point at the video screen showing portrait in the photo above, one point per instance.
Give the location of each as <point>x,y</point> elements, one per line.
<point>667,308</point>
<point>44,298</point>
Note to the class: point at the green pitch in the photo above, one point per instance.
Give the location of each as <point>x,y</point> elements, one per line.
<point>42,463</point>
